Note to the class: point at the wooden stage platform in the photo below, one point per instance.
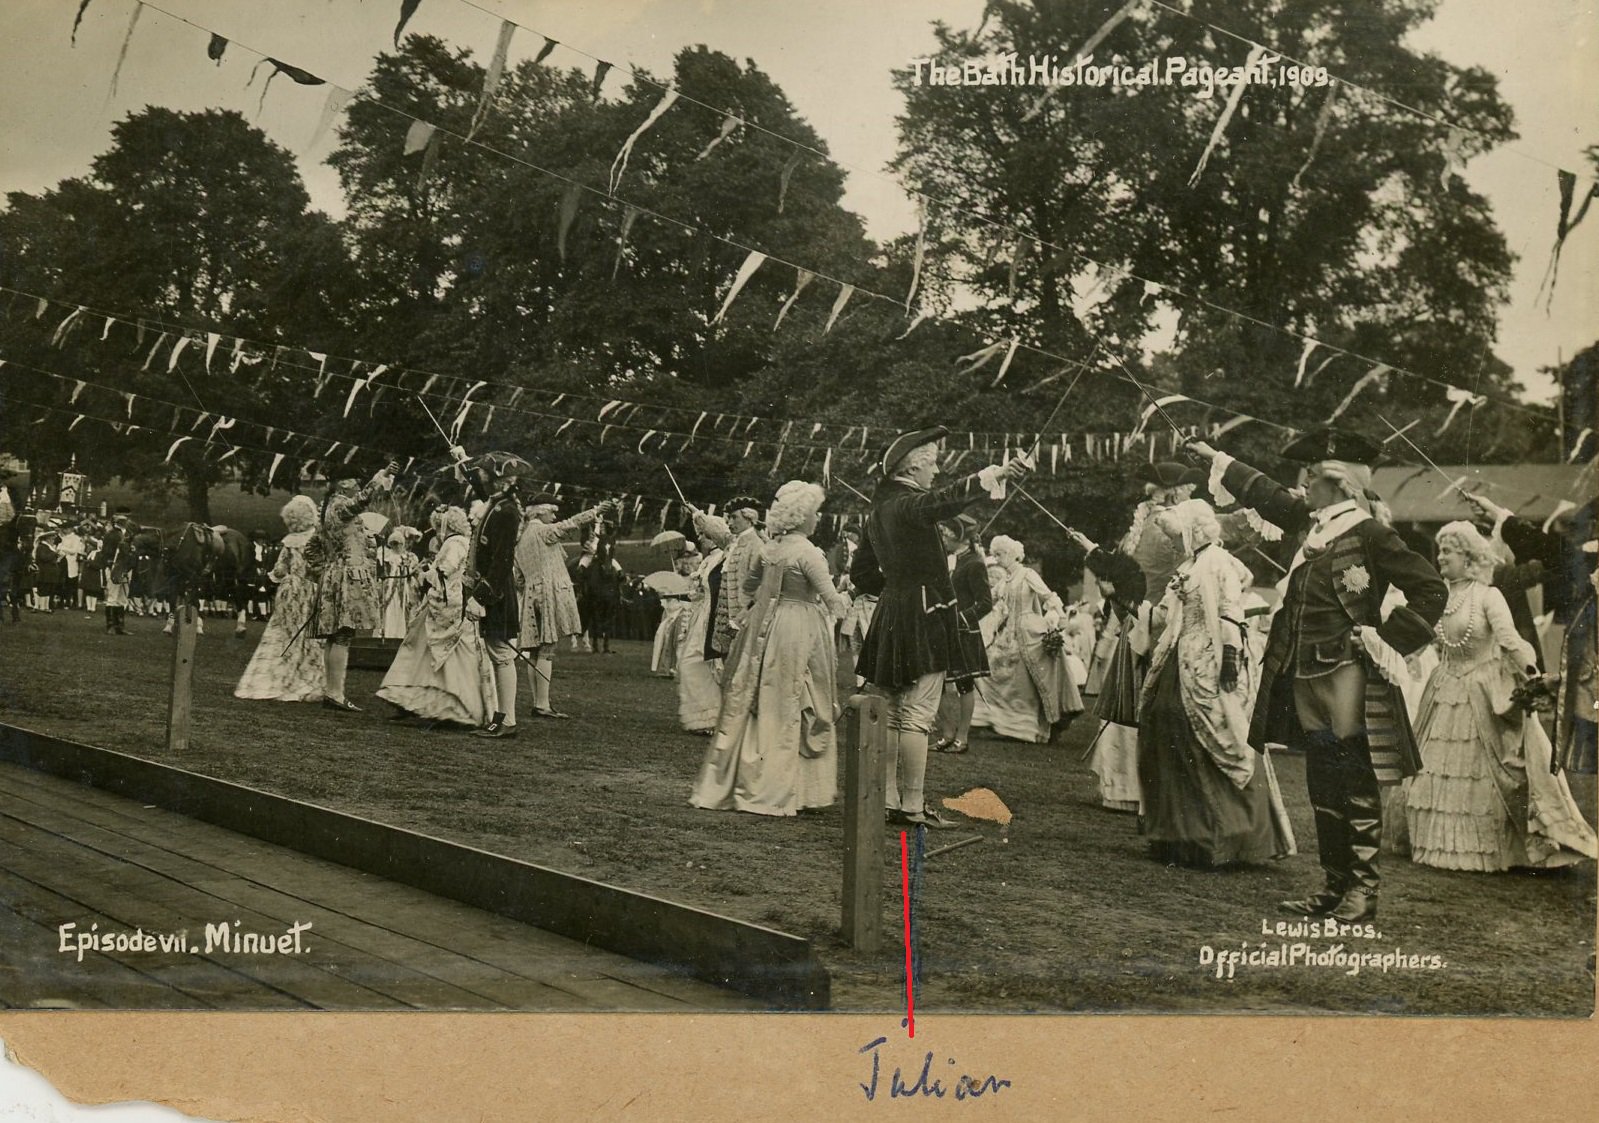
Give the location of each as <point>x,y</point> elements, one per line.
<point>73,854</point>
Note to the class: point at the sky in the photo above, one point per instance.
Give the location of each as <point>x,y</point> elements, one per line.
<point>833,58</point>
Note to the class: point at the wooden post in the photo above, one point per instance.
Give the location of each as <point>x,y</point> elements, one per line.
<point>866,743</point>
<point>182,680</point>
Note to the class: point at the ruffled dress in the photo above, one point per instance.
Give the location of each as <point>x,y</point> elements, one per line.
<point>287,665</point>
<point>1028,689</point>
<point>442,670</point>
<point>1485,798</point>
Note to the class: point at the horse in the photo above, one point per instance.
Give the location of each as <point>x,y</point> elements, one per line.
<point>212,562</point>
<point>16,548</point>
<point>148,582</point>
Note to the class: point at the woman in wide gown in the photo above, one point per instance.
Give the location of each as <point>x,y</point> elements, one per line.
<point>663,654</point>
<point>398,573</point>
<point>442,670</point>
<point>287,663</point>
<point>1485,798</point>
<point>1206,795</point>
<point>699,674</point>
<point>1030,690</point>
<point>774,751</point>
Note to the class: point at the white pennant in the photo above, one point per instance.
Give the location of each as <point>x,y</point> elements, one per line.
<point>338,98</point>
<point>211,341</point>
<point>491,79</point>
<point>921,250</point>
<point>65,325</point>
<point>1010,354</point>
<point>619,165</point>
<point>321,371</point>
<point>174,448</point>
<point>1454,154</point>
<point>1322,118</point>
<point>804,277</point>
<point>978,359</point>
<point>177,349</point>
<point>1082,53</point>
<point>730,125</point>
<point>921,314</point>
<point>106,331</point>
<point>417,137</point>
<point>1576,446</point>
<point>1150,410</point>
<point>1457,397</point>
<point>745,272</point>
<point>1304,357</point>
<point>1375,376</point>
<point>277,459</point>
<point>1256,51</point>
<point>844,294</point>
<point>1561,508</point>
<point>154,347</point>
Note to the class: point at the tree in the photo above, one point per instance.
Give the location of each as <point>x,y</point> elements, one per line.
<point>194,220</point>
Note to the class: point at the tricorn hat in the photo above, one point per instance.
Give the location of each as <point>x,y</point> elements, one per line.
<point>1169,473</point>
<point>1327,443</point>
<point>545,499</point>
<point>901,446</point>
<point>743,502</point>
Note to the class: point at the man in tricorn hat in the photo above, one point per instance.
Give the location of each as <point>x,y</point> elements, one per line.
<point>913,643</point>
<point>743,516</point>
<point>1319,688</point>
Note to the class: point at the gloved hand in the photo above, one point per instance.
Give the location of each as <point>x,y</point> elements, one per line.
<point>1229,669</point>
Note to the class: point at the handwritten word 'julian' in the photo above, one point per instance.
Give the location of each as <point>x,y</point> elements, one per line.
<point>964,1087</point>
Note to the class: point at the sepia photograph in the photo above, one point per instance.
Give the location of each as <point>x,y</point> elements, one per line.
<point>1048,507</point>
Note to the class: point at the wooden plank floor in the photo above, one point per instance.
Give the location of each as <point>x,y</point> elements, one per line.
<point>73,854</point>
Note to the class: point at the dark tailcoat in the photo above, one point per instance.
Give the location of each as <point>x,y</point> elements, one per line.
<point>493,560</point>
<point>915,630</point>
<point>1331,578</point>
<point>974,599</point>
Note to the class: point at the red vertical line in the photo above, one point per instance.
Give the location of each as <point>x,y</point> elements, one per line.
<point>905,896</point>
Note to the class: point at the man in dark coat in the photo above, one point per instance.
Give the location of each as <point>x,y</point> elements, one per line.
<point>974,599</point>
<point>1319,687</point>
<point>491,568</point>
<point>913,643</point>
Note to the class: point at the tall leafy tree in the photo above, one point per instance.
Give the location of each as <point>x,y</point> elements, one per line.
<point>190,219</point>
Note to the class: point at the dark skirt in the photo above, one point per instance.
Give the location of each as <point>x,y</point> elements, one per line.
<point>1124,679</point>
<point>1193,815</point>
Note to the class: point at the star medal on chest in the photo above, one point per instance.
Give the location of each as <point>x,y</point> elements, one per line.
<point>1355,579</point>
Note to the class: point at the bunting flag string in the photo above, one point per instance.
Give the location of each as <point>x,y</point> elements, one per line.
<point>1564,225</point>
<point>844,293</point>
<point>1304,357</point>
<point>1083,53</point>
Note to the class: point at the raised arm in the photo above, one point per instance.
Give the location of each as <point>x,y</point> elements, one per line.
<point>1409,626</point>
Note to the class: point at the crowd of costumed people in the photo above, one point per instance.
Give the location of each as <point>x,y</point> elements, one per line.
<point>1212,636</point>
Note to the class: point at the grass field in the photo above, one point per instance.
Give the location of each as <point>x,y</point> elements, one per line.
<point>1066,914</point>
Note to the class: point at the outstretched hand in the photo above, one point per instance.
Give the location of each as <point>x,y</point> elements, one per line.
<point>1200,450</point>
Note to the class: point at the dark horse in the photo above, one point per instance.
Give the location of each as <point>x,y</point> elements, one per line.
<point>211,563</point>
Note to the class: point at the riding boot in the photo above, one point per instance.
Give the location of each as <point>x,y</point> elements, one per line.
<point>1323,781</point>
<point>1363,819</point>
<point>122,621</point>
<point>110,619</point>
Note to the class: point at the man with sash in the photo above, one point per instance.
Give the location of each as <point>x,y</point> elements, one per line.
<point>1321,686</point>
<point>913,643</point>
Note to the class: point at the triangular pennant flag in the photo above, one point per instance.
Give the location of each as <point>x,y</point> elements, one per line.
<point>619,165</point>
<point>59,335</point>
<point>629,217</point>
<point>1304,356</point>
<point>1375,377</point>
<point>978,359</point>
<point>569,204</point>
<point>211,341</point>
<point>430,157</point>
<point>1321,366</point>
<point>1564,225</point>
<point>844,293</point>
<point>1577,445</point>
<point>338,98</point>
<point>1010,353</point>
<point>921,314</point>
<point>1322,118</point>
<point>745,272</point>
<point>1151,409</point>
<point>77,388</point>
<point>407,10</point>
<point>106,331</point>
<point>174,448</point>
<point>293,73</point>
<point>154,347</point>
<point>1018,255</point>
<point>496,70</point>
<point>215,48</point>
<point>601,69</point>
<point>78,19</point>
<point>787,174</point>
<point>730,125</point>
<point>919,252</point>
<point>1084,52</point>
<point>417,137</point>
<point>544,51</point>
<point>122,55</point>
<point>1233,98</point>
<point>321,371</point>
<point>177,349</point>
<point>277,459</point>
<point>803,277</point>
<point>1457,397</point>
<point>40,310</point>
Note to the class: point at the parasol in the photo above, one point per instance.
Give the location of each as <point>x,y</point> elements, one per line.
<point>671,539</point>
<point>666,583</point>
